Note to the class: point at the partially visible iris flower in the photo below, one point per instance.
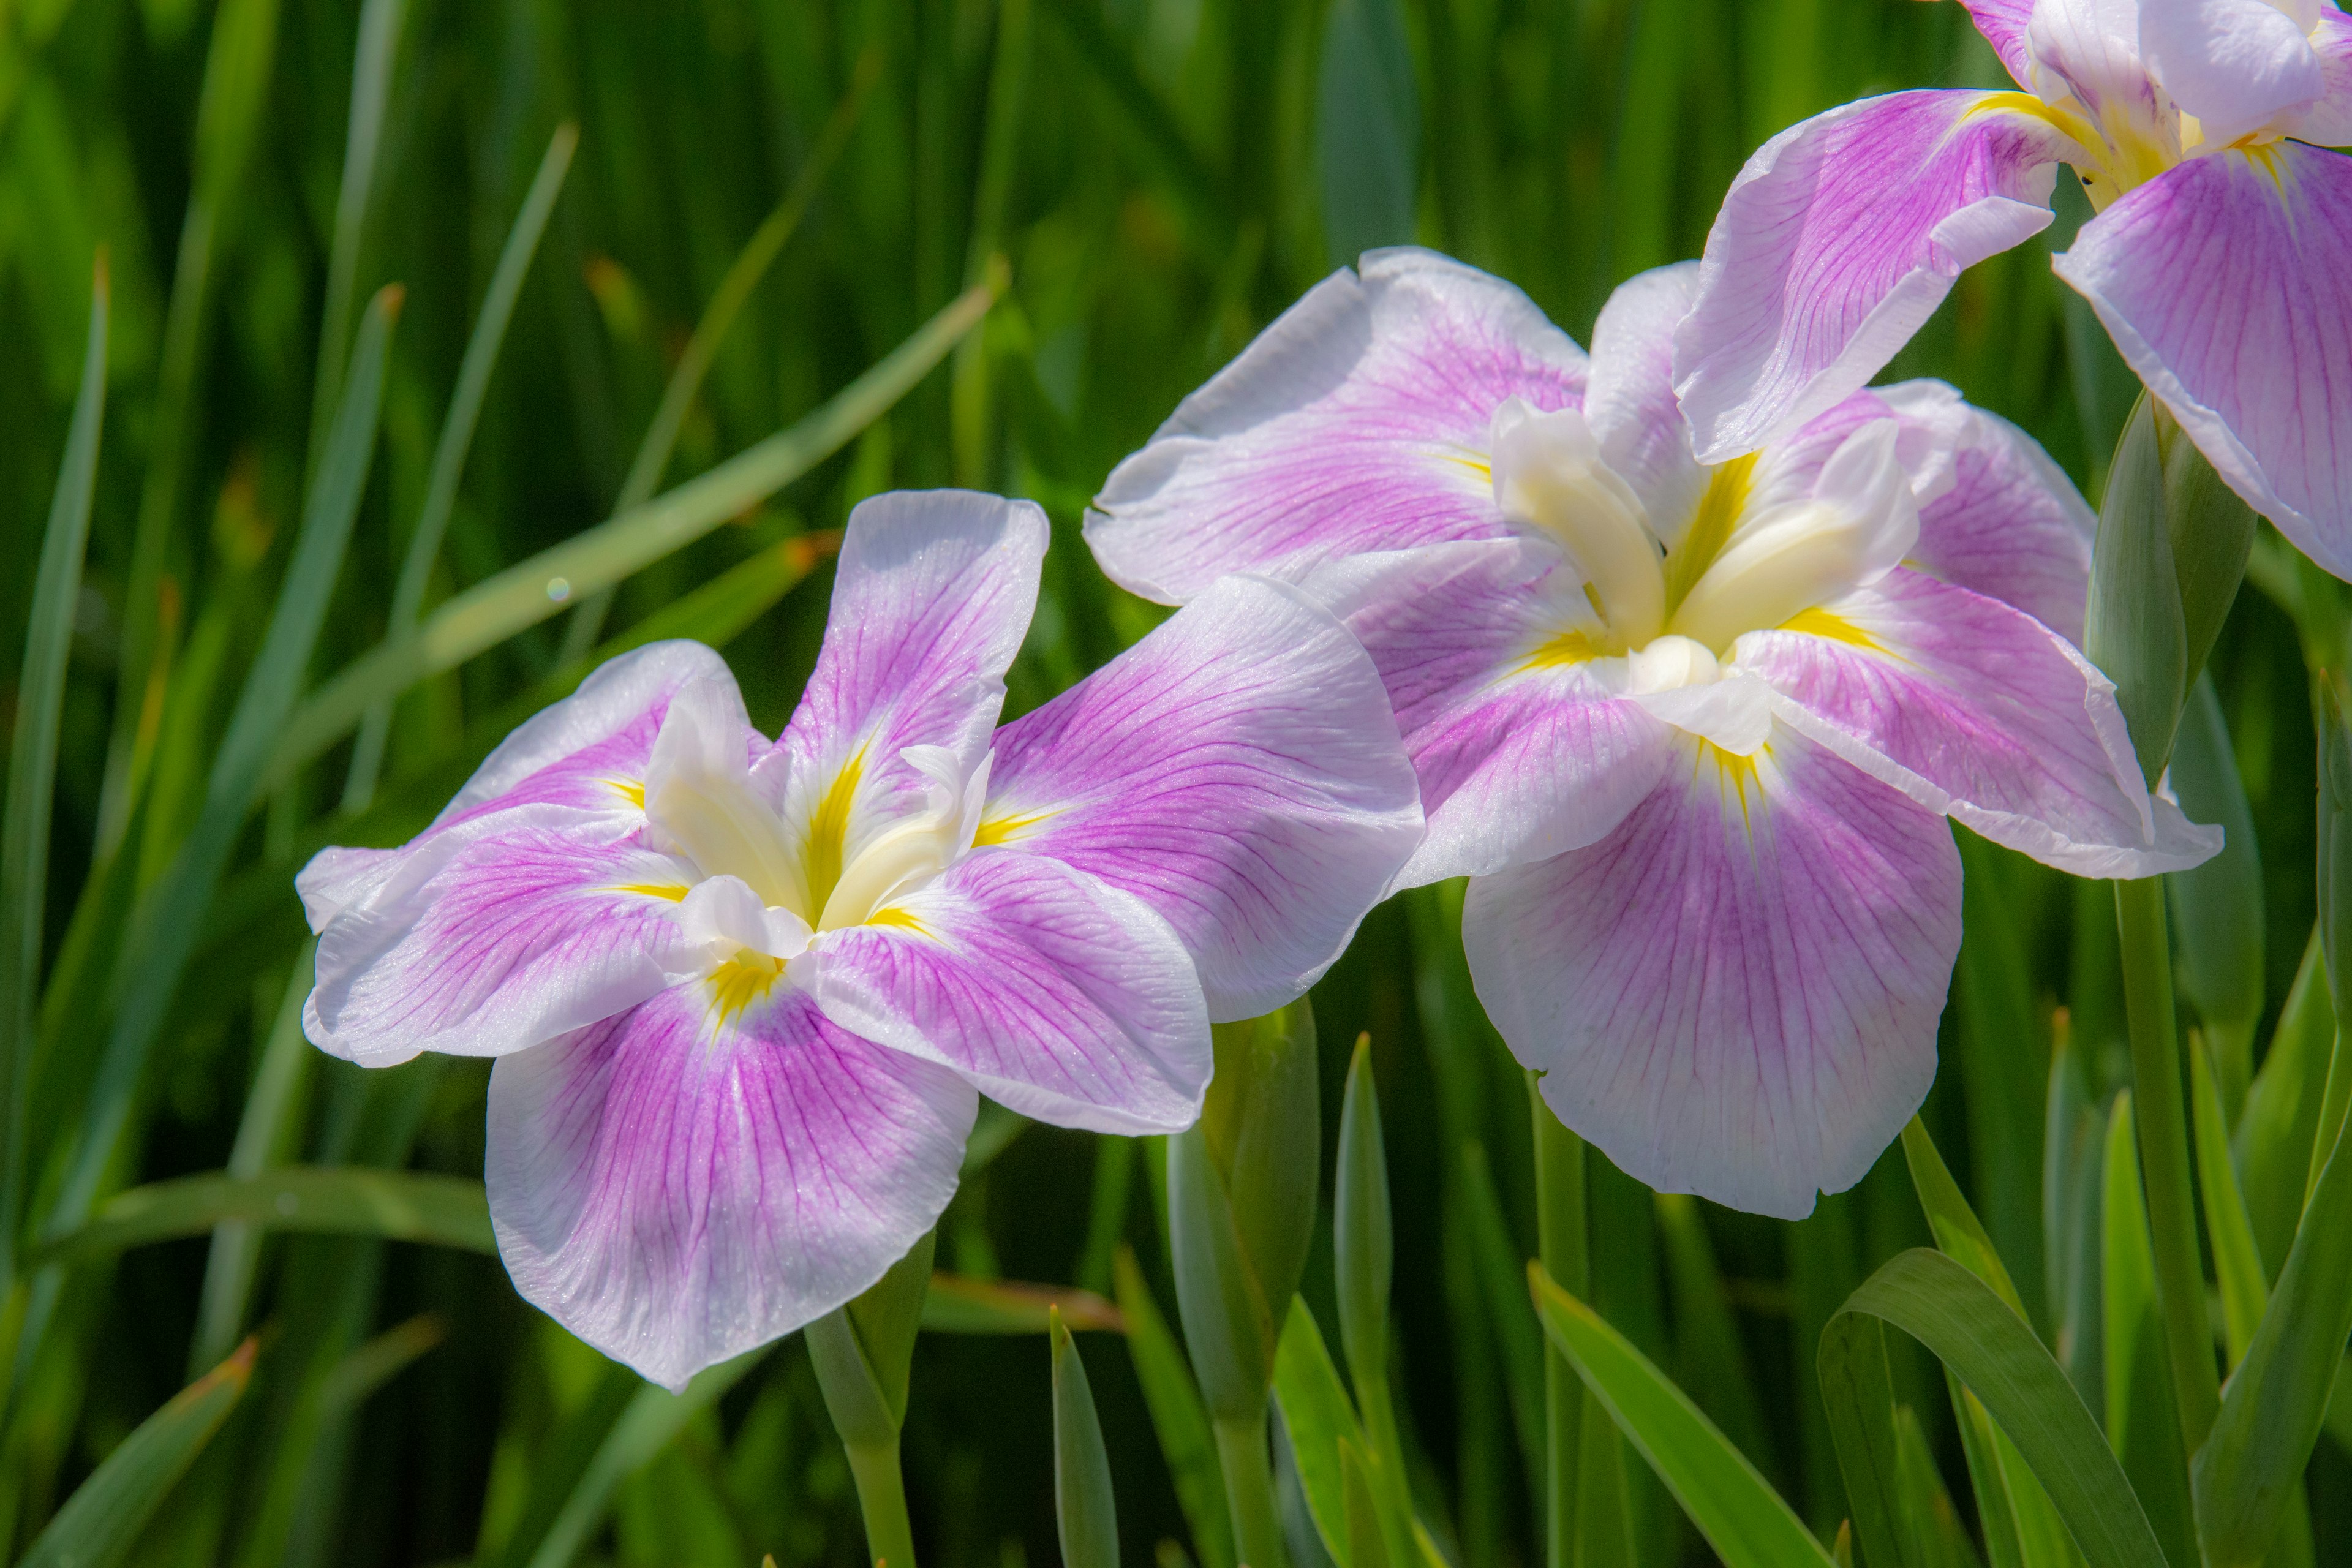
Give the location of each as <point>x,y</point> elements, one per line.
<point>2220,259</point>
<point>742,994</point>
<point>1691,731</point>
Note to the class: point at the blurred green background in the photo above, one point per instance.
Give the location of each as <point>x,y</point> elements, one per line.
<point>1162,177</point>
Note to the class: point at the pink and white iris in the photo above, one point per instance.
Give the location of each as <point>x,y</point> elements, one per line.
<point>741,994</point>
<point>1691,731</point>
<point>2220,259</point>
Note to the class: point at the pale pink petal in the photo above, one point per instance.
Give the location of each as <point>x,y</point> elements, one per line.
<point>1736,993</point>
<point>480,943</point>
<point>1631,404</point>
<point>1973,708</point>
<point>1239,771</point>
<point>677,1185</point>
<point>1358,421</point>
<point>1051,991</point>
<point>2003,25</point>
<point>582,759</point>
<point>2236,65</point>
<point>931,601</point>
<point>1515,730</point>
<point>1838,240</point>
<point>2327,123</point>
<point>2089,50</point>
<point>2226,284</point>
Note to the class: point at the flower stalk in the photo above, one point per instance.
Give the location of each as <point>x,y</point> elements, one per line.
<point>863,1353</point>
<point>1563,1245</point>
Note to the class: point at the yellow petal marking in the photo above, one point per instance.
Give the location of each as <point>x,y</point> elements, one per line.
<point>673,891</point>
<point>631,790</point>
<point>828,831</point>
<point>1818,623</point>
<point>1560,650</point>
<point>742,981</point>
<point>899,918</point>
<point>1008,828</point>
<point>1727,488</point>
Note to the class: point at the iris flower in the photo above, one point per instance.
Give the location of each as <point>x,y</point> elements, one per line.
<point>2220,259</point>
<point>1691,732</point>
<point>741,994</point>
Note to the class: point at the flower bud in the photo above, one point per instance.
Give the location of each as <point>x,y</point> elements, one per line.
<point>1241,1205</point>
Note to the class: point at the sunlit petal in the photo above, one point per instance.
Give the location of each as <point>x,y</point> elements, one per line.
<point>1358,421</point>
<point>1839,239</point>
<point>2228,286</point>
<point>677,1185</point>
<point>1051,991</point>
<point>1736,993</point>
<point>1239,771</point>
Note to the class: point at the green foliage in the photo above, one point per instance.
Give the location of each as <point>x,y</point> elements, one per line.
<point>780,254</point>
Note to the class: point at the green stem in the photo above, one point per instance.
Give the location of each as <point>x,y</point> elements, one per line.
<point>2163,1126</point>
<point>882,1498</point>
<point>1562,1246</point>
<point>2335,1101</point>
<point>1249,1491</point>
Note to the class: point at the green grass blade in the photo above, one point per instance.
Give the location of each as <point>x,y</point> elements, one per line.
<point>273,1110</point>
<point>1178,1417</point>
<point>377,53</point>
<point>2237,1266</point>
<point>1980,1338</point>
<point>1958,1233</point>
<point>653,1419</point>
<point>2137,1379</point>
<point>2278,1397</point>
<point>33,758</point>
<point>1743,1519</point>
<point>1713,1364</point>
<point>958,1304</point>
<point>525,595</point>
<point>457,438</point>
<point>1319,1417</point>
<point>2276,1130</point>
<point>1084,1511</point>
<point>237,66</point>
<point>106,1512</point>
<point>167,929</point>
<point>1859,1394</point>
<point>338,1200</point>
<point>750,264</point>
<point>1367,130</point>
<point>2217,907</point>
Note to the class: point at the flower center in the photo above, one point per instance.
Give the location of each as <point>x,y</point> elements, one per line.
<point>1738,562</point>
<point>836,871</point>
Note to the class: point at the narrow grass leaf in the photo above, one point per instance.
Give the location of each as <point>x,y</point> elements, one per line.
<point>378,50</point>
<point>456,438</point>
<point>958,1304</point>
<point>166,929</point>
<point>2236,1263</point>
<point>525,595</point>
<point>1859,1394</point>
<point>1319,1417</point>
<point>33,756</point>
<point>97,1524</point>
<point>1179,1418</point>
<point>1085,1512</point>
<point>340,1200</point>
<point>2275,1134</point>
<point>1980,1338</point>
<point>1742,1518</point>
<point>2217,908</point>
<point>2278,1397</point>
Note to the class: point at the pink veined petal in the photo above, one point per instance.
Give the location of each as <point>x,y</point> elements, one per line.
<point>2327,123</point>
<point>481,943</point>
<point>1522,747</point>
<point>2003,25</point>
<point>1736,993</point>
<point>2090,50</point>
<point>1358,421</point>
<point>568,753</point>
<point>2236,65</point>
<point>1972,707</point>
<point>1239,771</point>
<point>677,1186</point>
<point>1630,404</point>
<point>1839,238</point>
<point>1049,990</point>
<point>2227,284</point>
<point>583,758</point>
<point>931,598</point>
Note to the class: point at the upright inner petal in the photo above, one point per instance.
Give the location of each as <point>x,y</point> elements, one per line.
<point>1549,475</point>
